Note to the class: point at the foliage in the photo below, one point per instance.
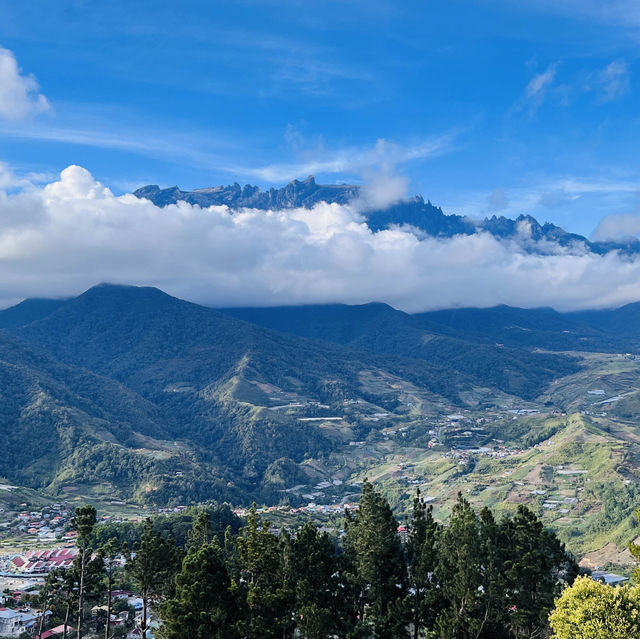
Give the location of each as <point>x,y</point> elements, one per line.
<point>200,608</point>
<point>592,610</point>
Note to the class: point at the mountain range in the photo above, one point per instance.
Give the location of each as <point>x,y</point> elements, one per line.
<point>129,392</point>
<point>413,213</point>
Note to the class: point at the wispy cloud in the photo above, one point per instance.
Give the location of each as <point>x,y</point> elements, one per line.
<point>612,82</point>
<point>349,161</point>
<point>625,13</point>
<point>539,84</point>
<point>20,96</point>
<point>537,89</point>
<point>193,148</point>
<point>608,84</point>
<point>539,197</point>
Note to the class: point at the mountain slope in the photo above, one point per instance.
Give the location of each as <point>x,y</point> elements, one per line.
<point>50,411</point>
<point>28,311</point>
<point>623,321</point>
<point>380,328</point>
<point>529,328</point>
<point>215,378</point>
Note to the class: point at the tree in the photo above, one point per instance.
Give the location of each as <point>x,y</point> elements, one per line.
<point>59,593</point>
<point>153,564</point>
<point>109,553</point>
<point>459,574</point>
<point>592,610</point>
<point>635,551</point>
<point>494,604</point>
<point>83,523</point>
<point>262,589</point>
<point>201,606</point>
<point>536,564</point>
<point>316,580</point>
<point>422,558</point>
<point>201,531</point>
<point>377,564</point>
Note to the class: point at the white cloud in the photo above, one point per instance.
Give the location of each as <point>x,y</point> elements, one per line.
<point>20,97</point>
<point>621,226</point>
<point>607,84</point>
<point>62,238</point>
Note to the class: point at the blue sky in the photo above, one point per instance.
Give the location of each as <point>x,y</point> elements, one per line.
<point>506,107</point>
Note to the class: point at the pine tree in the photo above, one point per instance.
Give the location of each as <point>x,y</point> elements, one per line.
<point>58,594</point>
<point>109,553</point>
<point>494,604</point>
<point>201,531</point>
<point>262,589</point>
<point>317,582</point>
<point>422,559</point>
<point>153,564</point>
<point>536,564</point>
<point>459,574</point>
<point>378,565</point>
<point>83,523</point>
<point>201,607</point>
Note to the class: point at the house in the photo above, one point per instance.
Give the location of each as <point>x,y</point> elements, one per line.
<point>14,622</point>
<point>58,631</point>
<point>609,578</point>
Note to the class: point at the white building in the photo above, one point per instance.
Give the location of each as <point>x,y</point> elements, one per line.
<point>14,622</point>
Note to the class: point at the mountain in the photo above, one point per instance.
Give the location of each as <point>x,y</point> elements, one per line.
<point>214,381</point>
<point>233,406</point>
<point>542,328</point>
<point>382,329</point>
<point>413,213</point>
<point>27,311</point>
<point>295,194</point>
<point>624,320</point>
<point>128,393</point>
<point>58,421</point>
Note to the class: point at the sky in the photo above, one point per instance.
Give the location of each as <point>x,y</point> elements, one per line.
<point>484,107</point>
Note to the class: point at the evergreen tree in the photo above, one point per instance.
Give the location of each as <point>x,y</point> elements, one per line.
<point>378,565</point>
<point>153,564</point>
<point>422,558</point>
<point>494,604</point>
<point>262,589</point>
<point>317,582</point>
<point>60,590</point>
<point>536,564</point>
<point>201,531</point>
<point>83,523</point>
<point>201,606</point>
<point>459,574</point>
<point>109,553</point>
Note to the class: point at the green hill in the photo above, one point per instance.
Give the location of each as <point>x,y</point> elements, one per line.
<point>382,329</point>
<point>212,380</point>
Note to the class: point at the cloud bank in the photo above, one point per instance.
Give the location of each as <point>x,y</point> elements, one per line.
<point>62,238</point>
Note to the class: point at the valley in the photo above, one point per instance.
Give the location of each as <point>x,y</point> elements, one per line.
<point>167,404</point>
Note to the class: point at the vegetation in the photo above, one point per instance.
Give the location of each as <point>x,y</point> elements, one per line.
<point>592,610</point>
<point>471,577</point>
